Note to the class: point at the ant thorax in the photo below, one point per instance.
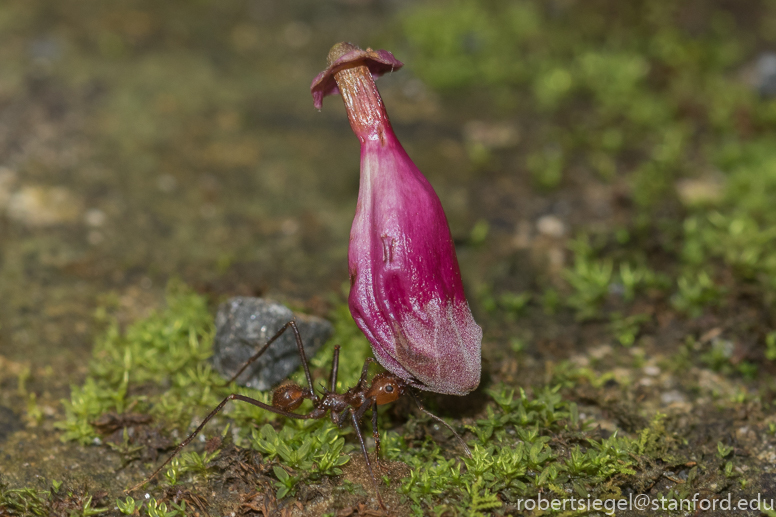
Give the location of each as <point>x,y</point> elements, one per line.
<point>355,397</point>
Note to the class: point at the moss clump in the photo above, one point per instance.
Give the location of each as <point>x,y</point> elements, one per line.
<point>525,445</point>
<point>24,501</point>
<point>169,346</point>
<point>55,501</point>
<point>158,366</point>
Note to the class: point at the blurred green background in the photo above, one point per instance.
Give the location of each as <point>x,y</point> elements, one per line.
<point>608,170</point>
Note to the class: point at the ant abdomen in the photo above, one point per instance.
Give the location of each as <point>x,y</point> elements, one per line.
<point>288,397</point>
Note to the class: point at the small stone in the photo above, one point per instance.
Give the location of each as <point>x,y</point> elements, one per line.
<point>580,361</point>
<point>95,217</point>
<point>760,74</point>
<point>48,48</point>
<point>600,352</point>
<point>244,324</point>
<point>767,457</point>
<point>651,370</point>
<point>672,397</point>
<point>745,434</point>
<point>766,74</point>
<point>551,226</point>
<point>44,206</point>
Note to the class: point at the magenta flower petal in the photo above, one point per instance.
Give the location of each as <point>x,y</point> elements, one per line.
<point>406,291</point>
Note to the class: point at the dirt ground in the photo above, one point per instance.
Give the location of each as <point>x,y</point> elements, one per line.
<point>608,172</point>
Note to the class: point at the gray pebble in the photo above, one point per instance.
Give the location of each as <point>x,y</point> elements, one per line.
<point>244,325</point>
<point>766,74</point>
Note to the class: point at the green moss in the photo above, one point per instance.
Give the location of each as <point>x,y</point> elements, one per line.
<point>627,329</point>
<point>546,167</point>
<point>464,43</point>
<point>521,450</point>
<point>522,446</point>
<point>166,354</point>
<point>592,279</point>
<point>25,501</point>
<point>151,508</point>
<point>57,500</point>
<point>171,345</point>
<point>311,448</point>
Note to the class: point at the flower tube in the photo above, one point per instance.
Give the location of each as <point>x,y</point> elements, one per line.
<point>406,292</point>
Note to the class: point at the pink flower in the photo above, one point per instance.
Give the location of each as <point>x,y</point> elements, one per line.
<point>406,292</point>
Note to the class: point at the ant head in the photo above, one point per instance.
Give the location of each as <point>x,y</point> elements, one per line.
<point>288,397</point>
<point>385,388</point>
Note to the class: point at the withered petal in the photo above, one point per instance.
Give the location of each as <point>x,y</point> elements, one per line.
<point>379,62</point>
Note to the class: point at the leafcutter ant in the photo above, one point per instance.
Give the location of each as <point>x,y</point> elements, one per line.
<point>352,405</point>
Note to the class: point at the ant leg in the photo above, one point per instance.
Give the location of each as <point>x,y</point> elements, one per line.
<point>316,413</point>
<point>356,420</point>
<point>334,369</point>
<point>259,353</point>
<point>339,419</point>
<point>263,349</point>
<point>365,371</point>
<point>376,435</point>
<point>300,346</point>
<point>424,410</point>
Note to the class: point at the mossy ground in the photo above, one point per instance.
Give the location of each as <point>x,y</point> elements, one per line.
<point>608,170</point>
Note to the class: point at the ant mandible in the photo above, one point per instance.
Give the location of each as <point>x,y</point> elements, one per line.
<point>353,404</point>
